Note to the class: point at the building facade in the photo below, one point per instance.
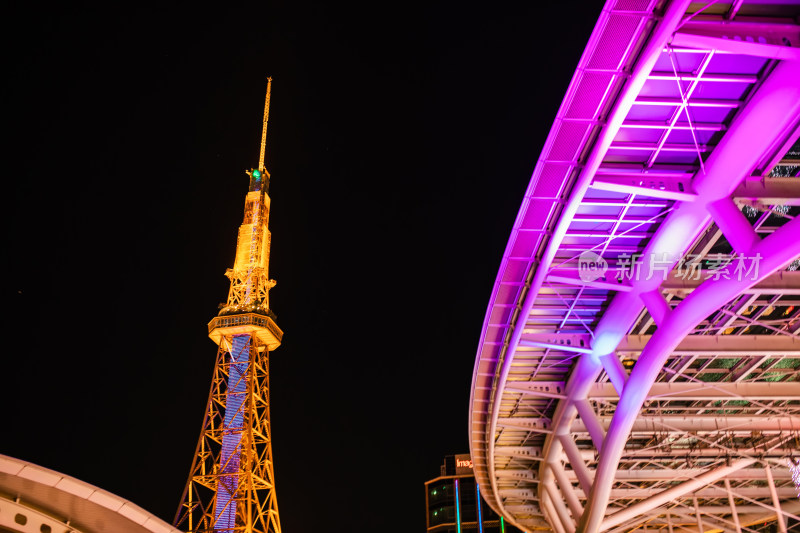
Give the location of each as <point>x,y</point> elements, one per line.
<point>453,501</point>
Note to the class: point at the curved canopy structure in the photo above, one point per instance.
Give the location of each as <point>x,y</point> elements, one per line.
<point>639,363</point>
<point>38,500</point>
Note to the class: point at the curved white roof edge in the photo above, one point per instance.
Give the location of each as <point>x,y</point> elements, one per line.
<point>34,498</point>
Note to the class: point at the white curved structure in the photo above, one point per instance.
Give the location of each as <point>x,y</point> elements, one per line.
<point>38,500</point>
<point>639,363</point>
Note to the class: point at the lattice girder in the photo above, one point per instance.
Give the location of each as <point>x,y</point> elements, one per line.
<point>256,504</point>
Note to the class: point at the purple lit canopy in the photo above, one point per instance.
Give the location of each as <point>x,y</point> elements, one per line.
<point>639,359</point>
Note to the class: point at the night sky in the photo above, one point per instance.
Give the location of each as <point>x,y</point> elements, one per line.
<point>401,141</point>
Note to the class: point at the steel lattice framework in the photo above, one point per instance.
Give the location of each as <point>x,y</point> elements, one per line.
<point>639,365</point>
<point>231,485</point>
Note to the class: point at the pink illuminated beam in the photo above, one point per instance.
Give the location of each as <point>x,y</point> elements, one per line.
<point>776,251</point>
<point>673,493</point>
<point>771,115</point>
<point>706,42</point>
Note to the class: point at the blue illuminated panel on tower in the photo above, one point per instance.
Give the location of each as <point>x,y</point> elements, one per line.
<point>225,511</point>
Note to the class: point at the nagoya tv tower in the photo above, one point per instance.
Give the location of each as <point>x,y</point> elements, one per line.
<point>231,485</point>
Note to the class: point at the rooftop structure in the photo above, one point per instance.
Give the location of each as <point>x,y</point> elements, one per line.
<point>40,500</point>
<point>639,362</point>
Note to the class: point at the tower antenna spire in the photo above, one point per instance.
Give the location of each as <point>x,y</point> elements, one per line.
<point>264,128</point>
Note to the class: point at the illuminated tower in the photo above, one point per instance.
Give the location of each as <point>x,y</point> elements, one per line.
<point>231,485</point>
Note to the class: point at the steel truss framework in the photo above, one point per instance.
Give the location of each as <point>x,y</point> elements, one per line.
<point>251,484</point>
<point>654,383</point>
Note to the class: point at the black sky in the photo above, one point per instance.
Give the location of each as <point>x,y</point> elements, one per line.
<point>401,140</point>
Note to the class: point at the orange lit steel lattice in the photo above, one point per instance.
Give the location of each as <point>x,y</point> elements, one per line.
<point>231,485</point>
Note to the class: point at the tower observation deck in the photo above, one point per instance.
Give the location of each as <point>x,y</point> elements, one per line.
<point>639,363</point>
<point>231,485</point>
